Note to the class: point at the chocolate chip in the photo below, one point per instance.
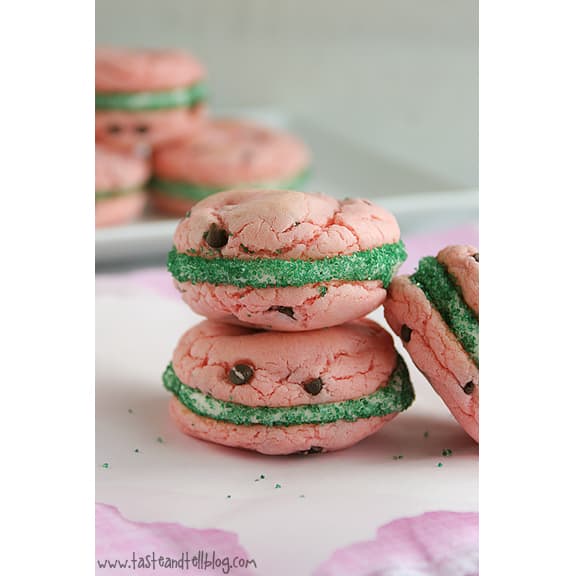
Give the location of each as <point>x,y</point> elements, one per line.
<point>216,237</point>
<point>405,333</point>
<point>469,387</point>
<point>313,386</point>
<point>288,310</point>
<point>312,450</point>
<point>476,256</point>
<point>142,128</point>
<point>114,129</point>
<point>240,374</point>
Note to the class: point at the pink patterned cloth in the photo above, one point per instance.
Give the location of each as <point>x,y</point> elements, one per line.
<point>157,548</point>
<point>433,544</point>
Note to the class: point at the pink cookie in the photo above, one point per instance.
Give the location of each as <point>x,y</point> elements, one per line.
<point>435,313</point>
<point>281,393</point>
<point>285,260</point>
<point>119,187</point>
<point>225,154</point>
<point>146,97</point>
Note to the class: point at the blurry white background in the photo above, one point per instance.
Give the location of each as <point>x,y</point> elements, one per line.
<point>396,77</point>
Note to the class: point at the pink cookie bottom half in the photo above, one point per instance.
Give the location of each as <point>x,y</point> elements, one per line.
<point>313,306</point>
<point>276,440</point>
<point>160,126</point>
<point>120,210</point>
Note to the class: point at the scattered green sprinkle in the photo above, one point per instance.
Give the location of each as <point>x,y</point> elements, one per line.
<point>439,464</point>
<point>399,457</point>
<point>323,290</point>
<point>277,486</point>
<point>136,450</point>
<point>228,496</point>
<point>262,476</point>
<point>446,452</point>
<point>246,250</point>
<point>426,434</point>
<point>160,440</point>
<point>105,465</point>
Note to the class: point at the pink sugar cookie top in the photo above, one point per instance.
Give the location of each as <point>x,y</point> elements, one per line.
<point>122,70</point>
<point>351,361</point>
<point>116,171</point>
<point>232,152</point>
<point>286,224</point>
<point>463,266</point>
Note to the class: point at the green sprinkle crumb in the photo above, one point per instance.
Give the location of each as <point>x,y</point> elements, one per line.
<point>278,251</point>
<point>446,452</point>
<point>136,450</point>
<point>246,249</point>
<point>262,476</point>
<point>399,457</point>
<point>160,440</point>
<point>228,496</point>
<point>105,465</point>
<point>323,290</point>
<point>277,486</point>
<point>439,464</point>
<point>426,434</point>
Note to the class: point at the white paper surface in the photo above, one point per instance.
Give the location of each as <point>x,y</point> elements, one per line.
<point>323,502</point>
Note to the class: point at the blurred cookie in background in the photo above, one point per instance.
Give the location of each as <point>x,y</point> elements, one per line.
<point>224,154</point>
<point>120,182</point>
<point>146,97</point>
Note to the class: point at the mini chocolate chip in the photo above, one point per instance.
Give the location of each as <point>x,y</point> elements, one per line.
<point>142,128</point>
<point>114,128</point>
<point>288,310</point>
<point>476,256</point>
<point>313,386</point>
<point>312,450</point>
<point>469,387</point>
<point>240,374</point>
<point>405,333</point>
<point>216,237</point>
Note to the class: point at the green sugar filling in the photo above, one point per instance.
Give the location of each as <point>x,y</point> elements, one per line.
<point>445,295</point>
<point>395,397</point>
<point>189,191</point>
<point>378,263</point>
<point>137,101</point>
<point>107,194</point>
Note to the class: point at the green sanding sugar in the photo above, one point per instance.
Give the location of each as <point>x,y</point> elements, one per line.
<point>108,194</point>
<point>187,96</point>
<point>378,263</point>
<point>323,291</point>
<point>277,486</point>
<point>446,452</point>
<point>439,464</point>
<point>105,465</point>
<point>395,397</point>
<point>445,295</point>
<point>197,192</point>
